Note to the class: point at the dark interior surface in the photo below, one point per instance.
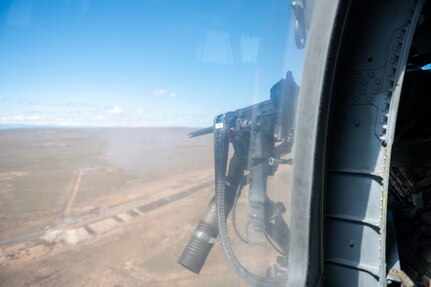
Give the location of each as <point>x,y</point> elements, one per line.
<point>410,176</point>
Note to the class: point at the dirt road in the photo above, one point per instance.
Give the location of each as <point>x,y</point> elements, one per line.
<point>138,250</point>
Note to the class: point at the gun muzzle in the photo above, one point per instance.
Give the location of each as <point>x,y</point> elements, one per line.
<point>204,236</point>
<point>201,242</point>
<point>201,132</point>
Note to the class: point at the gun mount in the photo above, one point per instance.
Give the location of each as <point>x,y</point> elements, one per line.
<point>261,135</point>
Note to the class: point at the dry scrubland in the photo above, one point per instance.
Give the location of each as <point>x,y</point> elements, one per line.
<point>107,207</point>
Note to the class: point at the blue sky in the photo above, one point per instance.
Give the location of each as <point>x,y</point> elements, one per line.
<point>140,63</point>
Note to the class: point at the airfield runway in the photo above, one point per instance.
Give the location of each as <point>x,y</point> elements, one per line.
<point>105,207</point>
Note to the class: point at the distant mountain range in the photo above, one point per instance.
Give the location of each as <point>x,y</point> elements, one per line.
<point>53,126</point>
<point>25,126</point>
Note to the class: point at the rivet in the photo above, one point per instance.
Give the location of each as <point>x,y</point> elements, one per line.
<point>357,75</point>
<point>377,81</point>
<point>395,48</point>
<point>369,99</point>
<point>357,123</point>
<point>355,99</point>
<point>352,243</point>
<point>371,74</point>
<point>364,82</point>
<point>375,92</point>
<point>363,92</point>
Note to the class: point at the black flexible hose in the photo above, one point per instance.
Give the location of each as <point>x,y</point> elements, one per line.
<point>237,195</point>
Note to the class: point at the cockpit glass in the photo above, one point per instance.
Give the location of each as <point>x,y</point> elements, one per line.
<point>145,142</point>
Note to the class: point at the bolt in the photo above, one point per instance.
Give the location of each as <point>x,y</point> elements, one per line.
<point>271,161</point>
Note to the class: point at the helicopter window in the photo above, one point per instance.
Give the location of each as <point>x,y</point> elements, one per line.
<point>100,184</point>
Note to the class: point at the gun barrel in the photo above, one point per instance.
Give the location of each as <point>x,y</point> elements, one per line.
<point>201,132</point>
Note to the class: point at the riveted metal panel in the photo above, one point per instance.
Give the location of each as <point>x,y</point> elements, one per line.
<point>359,150</point>
<point>356,245</point>
<point>355,198</point>
<point>369,76</point>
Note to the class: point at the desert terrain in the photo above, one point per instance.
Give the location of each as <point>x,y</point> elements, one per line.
<point>108,207</point>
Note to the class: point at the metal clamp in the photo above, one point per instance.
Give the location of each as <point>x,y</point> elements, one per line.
<point>205,237</point>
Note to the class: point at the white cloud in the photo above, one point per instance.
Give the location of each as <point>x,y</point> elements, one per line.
<point>159,92</point>
<point>13,118</point>
<point>32,118</point>
<point>164,92</point>
<point>99,118</point>
<point>115,110</point>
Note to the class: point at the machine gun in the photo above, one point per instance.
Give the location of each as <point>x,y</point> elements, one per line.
<point>261,135</point>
